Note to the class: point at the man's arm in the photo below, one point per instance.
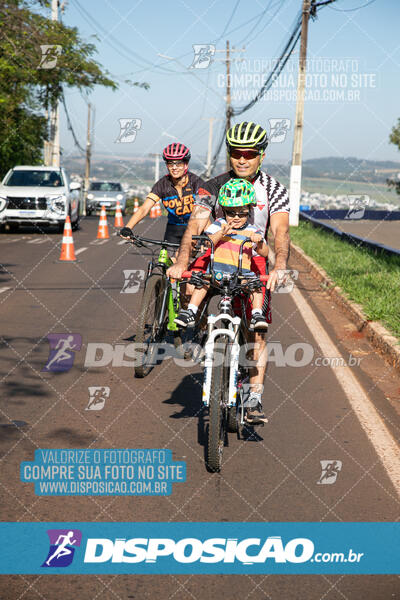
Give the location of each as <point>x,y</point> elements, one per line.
<point>279,223</point>
<point>197,223</point>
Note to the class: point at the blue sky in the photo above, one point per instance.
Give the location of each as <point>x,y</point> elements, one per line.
<point>354,85</point>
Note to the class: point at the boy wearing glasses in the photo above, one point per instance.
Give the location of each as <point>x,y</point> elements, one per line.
<point>236,199</point>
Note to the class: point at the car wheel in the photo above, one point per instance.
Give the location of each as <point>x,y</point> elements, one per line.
<point>60,227</point>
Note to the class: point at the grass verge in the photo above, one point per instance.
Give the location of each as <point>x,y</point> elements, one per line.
<point>372,280</point>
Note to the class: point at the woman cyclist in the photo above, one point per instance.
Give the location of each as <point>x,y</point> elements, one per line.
<point>176,191</point>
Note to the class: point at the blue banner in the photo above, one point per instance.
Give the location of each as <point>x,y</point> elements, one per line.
<point>200,548</point>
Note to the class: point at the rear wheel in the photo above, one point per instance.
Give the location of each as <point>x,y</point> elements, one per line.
<point>152,323</point>
<point>217,410</point>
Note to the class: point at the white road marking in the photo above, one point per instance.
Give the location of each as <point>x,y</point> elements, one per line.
<point>370,420</point>
<point>80,250</point>
<point>99,242</point>
<point>38,241</point>
<point>4,289</point>
<point>378,434</point>
<point>122,242</point>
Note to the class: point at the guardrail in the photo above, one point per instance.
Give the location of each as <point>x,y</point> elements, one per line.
<point>349,237</point>
<point>340,214</point>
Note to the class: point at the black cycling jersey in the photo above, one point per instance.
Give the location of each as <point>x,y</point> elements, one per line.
<point>174,233</point>
<point>179,208</point>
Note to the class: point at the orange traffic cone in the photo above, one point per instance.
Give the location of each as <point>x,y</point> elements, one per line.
<point>67,245</point>
<point>159,212</point>
<point>153,212</point>
<point>136,206</point>
<point>118,217</point>
<point>102,232</point>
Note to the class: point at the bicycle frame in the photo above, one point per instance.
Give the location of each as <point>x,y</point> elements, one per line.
<point>171,300</point>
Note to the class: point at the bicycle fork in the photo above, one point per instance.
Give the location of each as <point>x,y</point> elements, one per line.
<point>234,351</point>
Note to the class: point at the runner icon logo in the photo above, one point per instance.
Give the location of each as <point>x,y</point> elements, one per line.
<point>330,470</point>
<point>278,130</point>
<point>50,54</point>
<point>97,397</point>
<point>286,279</point>
<point>132,281</point>
<point>357,206</point>
<point>62,547</point>
<point>128,129</point>
<point>203,54</point>
<point>62,351</point>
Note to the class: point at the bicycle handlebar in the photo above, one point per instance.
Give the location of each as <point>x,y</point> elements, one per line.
<point>139,238</point>
<point>188,274</point>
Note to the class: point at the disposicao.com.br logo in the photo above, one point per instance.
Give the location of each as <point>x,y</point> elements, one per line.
<point>188,550</point>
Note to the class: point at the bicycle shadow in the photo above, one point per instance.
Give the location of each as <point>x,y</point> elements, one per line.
<point>187,395</point>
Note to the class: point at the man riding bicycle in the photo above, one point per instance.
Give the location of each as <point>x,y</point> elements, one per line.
<point>246,143</point>
<point>176,191</point>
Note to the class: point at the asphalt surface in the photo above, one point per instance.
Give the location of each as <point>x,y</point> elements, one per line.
<point>383,232</point>
<point>271,476</point>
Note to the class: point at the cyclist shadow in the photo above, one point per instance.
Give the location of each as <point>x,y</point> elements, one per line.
<point>188,395</point>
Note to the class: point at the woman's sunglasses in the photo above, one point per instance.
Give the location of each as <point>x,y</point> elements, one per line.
<point>236,213</point>
<point>247,154</point>
<point>175,163</point>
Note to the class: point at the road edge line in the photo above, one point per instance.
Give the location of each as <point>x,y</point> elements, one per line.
<point>377,433</point>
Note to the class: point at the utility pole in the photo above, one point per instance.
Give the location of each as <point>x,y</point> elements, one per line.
<point>209,152</point>
<point>228,97</point>
<point>295,170</point>
<point>55,111</point>
<point>87,164</point>
<point>156,166</point>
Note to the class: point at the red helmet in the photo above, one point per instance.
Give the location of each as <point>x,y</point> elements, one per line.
<point>176,151</point>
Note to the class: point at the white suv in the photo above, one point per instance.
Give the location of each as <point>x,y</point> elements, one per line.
<point>41,195</point>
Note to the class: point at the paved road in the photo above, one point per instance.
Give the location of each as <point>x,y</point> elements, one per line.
<point>269,477</point>
<point>384,232</point>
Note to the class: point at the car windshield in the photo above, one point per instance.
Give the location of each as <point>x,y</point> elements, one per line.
<point>35,178</point>
<point>105,186</point>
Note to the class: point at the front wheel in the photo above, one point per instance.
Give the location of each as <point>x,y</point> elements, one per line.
<point>152,322</point>
<point>217,410</point>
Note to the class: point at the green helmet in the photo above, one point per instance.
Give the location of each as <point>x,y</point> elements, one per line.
<point>237,192</point>
<point>247,135</point>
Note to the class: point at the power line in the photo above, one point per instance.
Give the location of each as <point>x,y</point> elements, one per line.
<point>229,21</point>
<point>276,71</point>
<point>115,43</point>
<point>352,9</point>
<point>69,124</point>
<point>280,4</point>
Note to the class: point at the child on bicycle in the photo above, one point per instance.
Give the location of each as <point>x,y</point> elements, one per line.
<point>236,198</point>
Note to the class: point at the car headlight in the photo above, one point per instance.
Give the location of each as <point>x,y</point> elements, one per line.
<point>90,196</point>
<point>58,204</point>
<point>3,203</point>
<point>120,197</point>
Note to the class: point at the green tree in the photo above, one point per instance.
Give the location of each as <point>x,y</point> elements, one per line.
<point>394,138</point>
<point>26,88</point>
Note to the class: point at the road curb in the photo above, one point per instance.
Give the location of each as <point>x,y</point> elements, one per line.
<point>375,332</point>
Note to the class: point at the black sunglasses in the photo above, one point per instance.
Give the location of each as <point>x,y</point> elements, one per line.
<point>239,213</point>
